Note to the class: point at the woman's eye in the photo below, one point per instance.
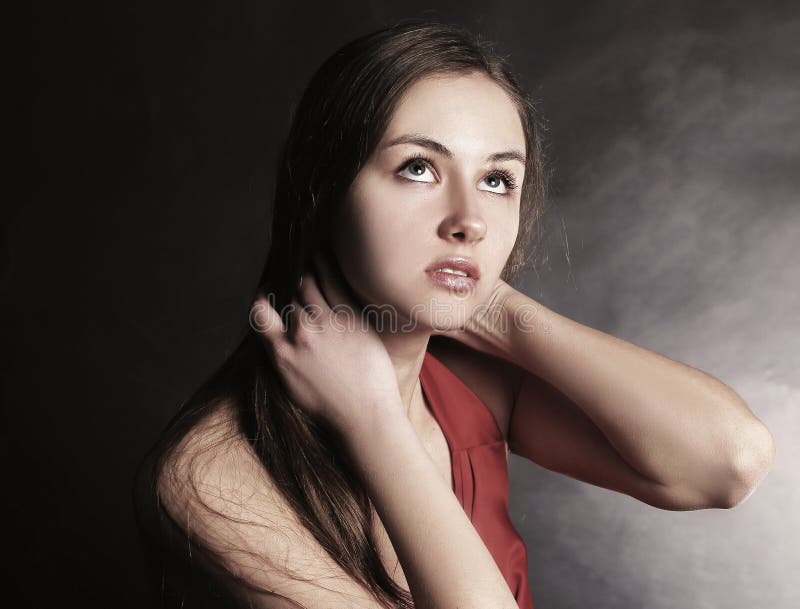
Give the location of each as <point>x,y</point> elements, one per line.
<point>502,179</point>
<point>496,181</point>
<point>416,168</point>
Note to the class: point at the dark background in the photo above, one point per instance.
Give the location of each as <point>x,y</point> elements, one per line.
<point>674,132</point>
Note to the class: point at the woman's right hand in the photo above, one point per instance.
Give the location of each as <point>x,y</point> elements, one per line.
<point>332,362</point>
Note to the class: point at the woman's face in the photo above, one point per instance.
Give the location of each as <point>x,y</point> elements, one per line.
<point>399,217</point>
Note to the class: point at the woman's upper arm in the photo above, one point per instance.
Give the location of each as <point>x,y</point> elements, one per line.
<point>552,431</point>
<point>227,502</point>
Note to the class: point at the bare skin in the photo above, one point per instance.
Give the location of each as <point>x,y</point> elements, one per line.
<point>393,225</point>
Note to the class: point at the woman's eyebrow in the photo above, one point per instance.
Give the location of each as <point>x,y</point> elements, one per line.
<point>438,147</point>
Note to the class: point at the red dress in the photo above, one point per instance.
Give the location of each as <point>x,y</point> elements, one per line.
<point>480,470</point>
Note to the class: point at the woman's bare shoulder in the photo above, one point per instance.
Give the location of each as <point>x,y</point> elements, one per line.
<point>216,489</point>
<point>494,380</point>
<point>214,458</point>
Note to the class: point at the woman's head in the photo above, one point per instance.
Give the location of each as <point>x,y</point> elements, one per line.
<point>431,189</point>
<point>339,188</point>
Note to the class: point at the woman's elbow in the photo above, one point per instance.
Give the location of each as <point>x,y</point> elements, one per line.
<point>752,466</point>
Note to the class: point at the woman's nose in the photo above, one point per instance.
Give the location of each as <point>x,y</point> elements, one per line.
<point>464,220</point>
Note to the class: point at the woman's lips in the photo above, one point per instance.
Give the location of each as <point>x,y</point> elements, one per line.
<point>452,281</point>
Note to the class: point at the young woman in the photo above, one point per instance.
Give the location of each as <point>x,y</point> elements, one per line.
<point>352,451</point>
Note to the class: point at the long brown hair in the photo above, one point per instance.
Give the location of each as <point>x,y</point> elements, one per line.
<point>341,116</point>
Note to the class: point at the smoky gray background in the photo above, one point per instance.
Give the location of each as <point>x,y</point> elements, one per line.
<point>673,131</point>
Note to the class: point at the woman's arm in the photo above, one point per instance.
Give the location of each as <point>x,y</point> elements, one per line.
<point>341,372</point>
<point>216,490</point>
<point>671,434</point>
<point>445,561</point>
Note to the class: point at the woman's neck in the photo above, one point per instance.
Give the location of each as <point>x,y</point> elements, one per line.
<point>407,352</point>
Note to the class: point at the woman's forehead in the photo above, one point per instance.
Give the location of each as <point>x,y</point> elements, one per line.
<point>468,113</point>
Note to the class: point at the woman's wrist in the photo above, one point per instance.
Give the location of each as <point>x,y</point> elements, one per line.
<point>363,421</point>
<point>495,326</point>
<point>525,317</point>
